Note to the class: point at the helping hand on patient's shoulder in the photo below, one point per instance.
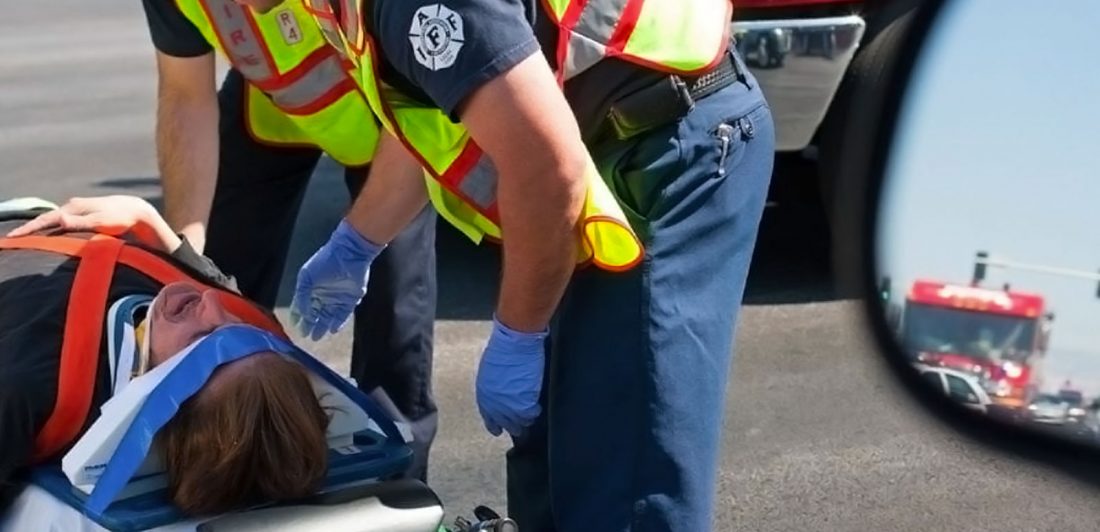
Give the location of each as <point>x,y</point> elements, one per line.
<point>332,282</point>
<point>509,379</point>
<point>110,215</point>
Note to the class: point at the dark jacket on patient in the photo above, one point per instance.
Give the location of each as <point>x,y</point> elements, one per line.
<point>34,296</point>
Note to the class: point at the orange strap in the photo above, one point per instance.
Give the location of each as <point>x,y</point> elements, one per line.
<point>84,321</point>
<point>76,378</point>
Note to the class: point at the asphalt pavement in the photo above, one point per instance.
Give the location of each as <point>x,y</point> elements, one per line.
<point>816,437</point>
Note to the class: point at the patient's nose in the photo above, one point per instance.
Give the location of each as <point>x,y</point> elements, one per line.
<point>211,312</point>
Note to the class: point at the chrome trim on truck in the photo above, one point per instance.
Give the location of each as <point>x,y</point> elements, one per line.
<point>799,64</point>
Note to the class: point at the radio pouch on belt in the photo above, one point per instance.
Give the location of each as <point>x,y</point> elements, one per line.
<point>651,107</point>
<point>670,98</point>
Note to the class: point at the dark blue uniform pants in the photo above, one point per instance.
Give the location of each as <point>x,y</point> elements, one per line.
<point>259,192</point>
<point>638,361</point>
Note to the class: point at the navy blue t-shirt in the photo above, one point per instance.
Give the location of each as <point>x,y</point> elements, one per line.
<point>449,48</point>
<point>440,51</point>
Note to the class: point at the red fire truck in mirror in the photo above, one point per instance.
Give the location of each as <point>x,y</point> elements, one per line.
<point>1000,336</point>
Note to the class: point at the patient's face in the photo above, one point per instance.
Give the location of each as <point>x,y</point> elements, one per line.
<point>180,315</point>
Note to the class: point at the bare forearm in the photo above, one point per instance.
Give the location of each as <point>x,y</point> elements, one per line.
<point>392,196</point>
<point>523,122</point>
<point>538,218</point>
<point>187,156</point>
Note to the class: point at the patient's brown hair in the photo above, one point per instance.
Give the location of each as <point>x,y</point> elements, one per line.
<point>255,432</point>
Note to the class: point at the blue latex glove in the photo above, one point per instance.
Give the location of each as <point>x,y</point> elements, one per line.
<point>509,379</point>
<point>332,282</point>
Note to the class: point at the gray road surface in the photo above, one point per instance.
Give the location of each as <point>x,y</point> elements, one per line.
<point>816,437</point>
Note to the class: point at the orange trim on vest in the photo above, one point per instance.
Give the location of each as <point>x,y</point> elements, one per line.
<point>696,72</point>
<point>624,28</point>
<point>99,257</point>
<point>318,56</point>
<point>350,17</point>
<point>617,44</point>
<point>252,23</point>
<point>257,139</point>
<point>450,177</point>
<point>569,20</point>
<point>451,180</point>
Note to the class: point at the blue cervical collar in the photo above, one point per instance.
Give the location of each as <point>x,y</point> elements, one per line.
<point>225,345</point>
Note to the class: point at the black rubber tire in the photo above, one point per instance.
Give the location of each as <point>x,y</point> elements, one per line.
<point>845,137</point>
<point>840,137</point>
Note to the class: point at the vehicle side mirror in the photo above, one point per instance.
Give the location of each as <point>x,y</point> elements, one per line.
<point>973,210</point>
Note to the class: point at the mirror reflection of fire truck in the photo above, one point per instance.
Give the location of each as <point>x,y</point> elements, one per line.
<point>1000,336</point>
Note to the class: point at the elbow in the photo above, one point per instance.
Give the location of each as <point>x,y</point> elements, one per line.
<point>569,185</point>
<point>550,189</point>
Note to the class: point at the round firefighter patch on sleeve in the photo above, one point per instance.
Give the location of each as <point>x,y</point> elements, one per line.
<point>436,36</point>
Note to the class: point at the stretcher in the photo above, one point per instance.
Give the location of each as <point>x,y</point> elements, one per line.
<point>113,479</point>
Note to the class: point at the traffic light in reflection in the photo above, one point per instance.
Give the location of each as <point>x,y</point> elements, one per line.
<point>979,267</point>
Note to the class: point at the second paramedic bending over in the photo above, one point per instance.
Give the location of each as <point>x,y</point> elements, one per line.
<point>261,182</point>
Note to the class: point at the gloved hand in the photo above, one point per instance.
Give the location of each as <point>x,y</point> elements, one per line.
<point>332,282</point>
<point>509,379</point>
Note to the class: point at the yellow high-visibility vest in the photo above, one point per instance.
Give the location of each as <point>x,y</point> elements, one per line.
<point>678,36</point>
<point>300,91</point>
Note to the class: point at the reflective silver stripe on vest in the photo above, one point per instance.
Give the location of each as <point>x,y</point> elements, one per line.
<point>587,43</point>
<point>353,21</point>
<point>582,54</point>
<point>317,82</point>
<point>330,29</point>
<point>242,45</point>
<point>479,185</point>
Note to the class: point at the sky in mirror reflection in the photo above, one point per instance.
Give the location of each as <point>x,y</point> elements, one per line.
<point>999,150</point>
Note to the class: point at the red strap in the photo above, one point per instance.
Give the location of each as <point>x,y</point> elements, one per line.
<point>84,321</point>
<point>165,273</point>
<point>76,378</point>
<point>155,267</point>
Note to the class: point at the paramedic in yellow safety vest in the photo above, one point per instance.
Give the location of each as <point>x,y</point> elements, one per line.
<point>240,159</point>
<point>621,134</point>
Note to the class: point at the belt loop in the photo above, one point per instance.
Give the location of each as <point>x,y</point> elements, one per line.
<point>739,68</point>
<point>683,91</point>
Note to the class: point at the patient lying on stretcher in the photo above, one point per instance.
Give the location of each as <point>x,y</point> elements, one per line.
<point>255,431</point>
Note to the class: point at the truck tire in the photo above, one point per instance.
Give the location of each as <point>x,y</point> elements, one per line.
<point>840,138</point>
<point>846,137</point>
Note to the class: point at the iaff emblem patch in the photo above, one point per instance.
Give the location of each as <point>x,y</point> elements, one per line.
<point>436,36</point>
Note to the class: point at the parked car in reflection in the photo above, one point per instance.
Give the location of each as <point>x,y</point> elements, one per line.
<point>1067,415</point>
<point>765,49</point>
<point>964,388</point>
<point>1049,409</point>
<point>1076,401</point>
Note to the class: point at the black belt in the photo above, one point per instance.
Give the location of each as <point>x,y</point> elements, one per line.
<point>670,98</point>
<point>721,76</point>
